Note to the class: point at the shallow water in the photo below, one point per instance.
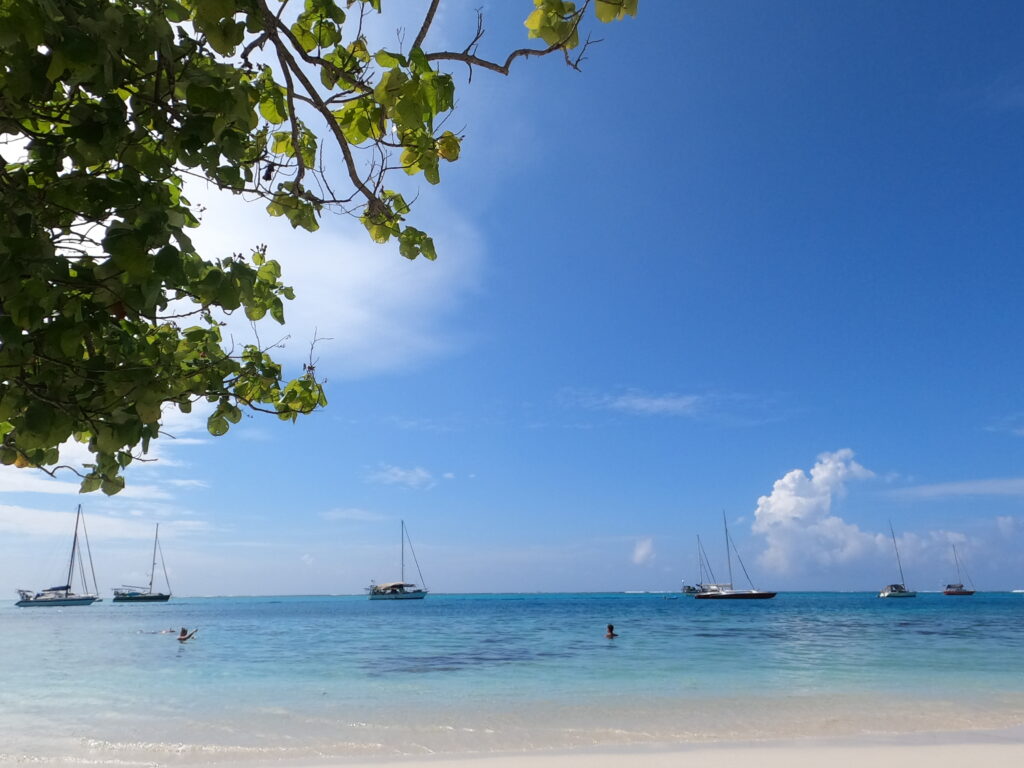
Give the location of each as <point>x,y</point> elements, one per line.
<point>317,677</point>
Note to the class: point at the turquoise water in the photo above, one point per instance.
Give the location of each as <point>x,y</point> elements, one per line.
<point>321,677</point>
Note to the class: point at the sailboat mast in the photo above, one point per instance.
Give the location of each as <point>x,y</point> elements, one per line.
<point>699,563</point>
<point>898,563</point>
<point>705,563</point>
<point>403,550</point>
<point>163,564</point>
<point>74,548</point>
<point>92,568</point>
<point>414,559</point>
<point>728,555</point>
<point>152,571</point>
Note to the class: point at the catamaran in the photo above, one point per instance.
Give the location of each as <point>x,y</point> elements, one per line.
<point>62,595</point>
<point>128,594</point>
<point>958,588</point>
<point>399,590</point>
<point>897,590</point>
<point>725,591</point>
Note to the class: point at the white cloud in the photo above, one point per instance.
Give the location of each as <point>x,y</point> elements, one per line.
<point>1007,525</point>
<point>448,475</point>
<point>674,405</point>
<point>417,477</point>
<point>996,486</point>
<point>14,480</point>
<point>1012,424</point>
<point>642,404</point>
<point>796,518</point>
<point>26,521</point>
<point>643,551</point>
<point>351,514</point>
<point>76,454</point>
<point>378,311</point>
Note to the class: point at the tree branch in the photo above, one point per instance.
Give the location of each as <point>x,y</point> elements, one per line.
<point>427,21</point>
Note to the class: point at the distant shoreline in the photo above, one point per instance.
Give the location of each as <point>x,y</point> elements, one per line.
<point>624,593</point>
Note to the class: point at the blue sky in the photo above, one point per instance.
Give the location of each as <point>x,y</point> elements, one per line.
<point>760,258</point>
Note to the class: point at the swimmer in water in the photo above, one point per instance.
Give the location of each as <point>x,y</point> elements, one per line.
<point>186,635</point>
<point>611,632</point>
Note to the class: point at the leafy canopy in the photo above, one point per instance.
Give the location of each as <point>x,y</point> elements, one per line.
<point>107,311</point>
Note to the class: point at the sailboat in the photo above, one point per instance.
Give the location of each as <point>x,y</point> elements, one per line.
<point>399,590</point>
<point>725,591</point>
<point>62,595</point>
<point>958,588</point>
<point>689,589</point>
<point>127,594</point>
<point>897,590</point>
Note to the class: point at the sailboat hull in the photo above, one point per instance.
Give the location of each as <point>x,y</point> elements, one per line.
<point>143,598</point>
<point>738,595</point>
<point>398,595</point>
<point>56,602</point>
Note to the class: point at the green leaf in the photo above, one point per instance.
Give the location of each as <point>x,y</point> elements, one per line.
<point>116,102</point>
<point>390,87</point>
<point>388,60</point>
<point>217,425</point>
<point>111,486</point>
<point>449,146</point>
<point>273,107</point>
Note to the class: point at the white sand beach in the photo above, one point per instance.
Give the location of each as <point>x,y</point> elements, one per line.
<point>999,750</point>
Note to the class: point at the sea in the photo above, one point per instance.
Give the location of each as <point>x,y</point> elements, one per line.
<point>310,679</point>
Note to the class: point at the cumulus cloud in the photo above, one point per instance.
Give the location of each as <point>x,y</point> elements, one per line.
<point>643,551</point>
<point>796,518</point>
<point>417,477</point>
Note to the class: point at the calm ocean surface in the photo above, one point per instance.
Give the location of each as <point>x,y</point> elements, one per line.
<point>310,678</point>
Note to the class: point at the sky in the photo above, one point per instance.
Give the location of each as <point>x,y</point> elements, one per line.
<point>755,259</point>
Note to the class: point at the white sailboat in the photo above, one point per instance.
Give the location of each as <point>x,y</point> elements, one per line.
<point>62,595</point>
<point>129,594</point>
<point>400,590</point>
<point>725,591</point>
<point>897,590</point>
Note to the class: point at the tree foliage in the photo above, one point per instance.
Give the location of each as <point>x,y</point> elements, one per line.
<point>107,311</point>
